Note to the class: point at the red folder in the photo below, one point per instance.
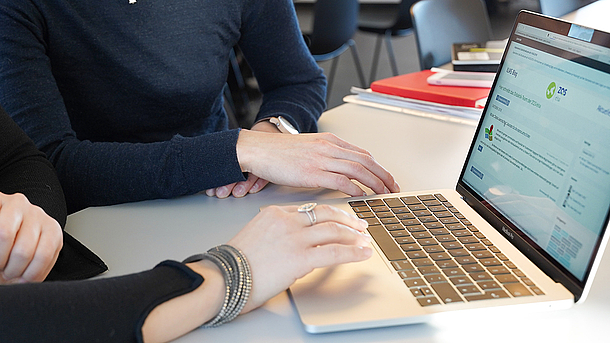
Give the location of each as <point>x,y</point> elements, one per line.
<point>416,86</point>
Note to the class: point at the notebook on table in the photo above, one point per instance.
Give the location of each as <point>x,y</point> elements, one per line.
<point>526,224</point>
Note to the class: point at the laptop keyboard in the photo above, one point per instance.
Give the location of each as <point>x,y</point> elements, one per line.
<point>441,257</point>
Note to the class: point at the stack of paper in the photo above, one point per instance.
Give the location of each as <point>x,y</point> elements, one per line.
<point>457,114</point>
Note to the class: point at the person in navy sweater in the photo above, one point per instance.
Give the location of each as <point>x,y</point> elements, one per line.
<point>125,99</point>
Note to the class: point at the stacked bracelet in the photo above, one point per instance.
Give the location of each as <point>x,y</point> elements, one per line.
<point>238,280</point>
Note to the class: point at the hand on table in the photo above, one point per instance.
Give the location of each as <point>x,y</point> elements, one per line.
<point>30,240</point>
<point>312,160</point>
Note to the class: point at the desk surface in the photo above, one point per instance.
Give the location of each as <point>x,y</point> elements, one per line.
<point>423,154</point>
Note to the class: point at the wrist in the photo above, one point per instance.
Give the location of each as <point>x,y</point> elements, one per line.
<point>211,292</point>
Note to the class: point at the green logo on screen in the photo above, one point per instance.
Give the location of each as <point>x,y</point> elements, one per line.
<point>550,90</point>
<point>489,133</point>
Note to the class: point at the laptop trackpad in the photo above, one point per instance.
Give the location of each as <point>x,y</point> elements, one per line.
<point>340,297</point>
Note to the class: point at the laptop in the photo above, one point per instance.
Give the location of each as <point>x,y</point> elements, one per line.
<point>525,227</point>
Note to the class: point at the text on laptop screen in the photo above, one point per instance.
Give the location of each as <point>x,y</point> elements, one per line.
<point>541,158</point>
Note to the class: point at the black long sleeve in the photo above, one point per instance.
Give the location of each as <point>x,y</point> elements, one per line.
<point>24,169</point>
<point>103,310</point>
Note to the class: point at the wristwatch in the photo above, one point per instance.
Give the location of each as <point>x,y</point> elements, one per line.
<point>283,125</point>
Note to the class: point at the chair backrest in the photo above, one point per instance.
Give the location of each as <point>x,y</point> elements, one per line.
<point>403,20</point>
<point>334,23</point>
<point>440,23</point>
<point>557,8</point>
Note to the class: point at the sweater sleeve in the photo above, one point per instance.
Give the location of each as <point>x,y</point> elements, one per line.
<point>98,173</point>
<point>102,310</point>
<point>293,85</point>
<point>24,169</point>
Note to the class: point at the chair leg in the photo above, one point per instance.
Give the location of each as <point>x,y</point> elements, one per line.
<point>331,76</point>
<point>352,46</point>
<point>388,41</point>
<point>375,58</point>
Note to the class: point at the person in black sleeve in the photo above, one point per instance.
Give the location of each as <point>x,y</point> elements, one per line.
<point>270,253</point>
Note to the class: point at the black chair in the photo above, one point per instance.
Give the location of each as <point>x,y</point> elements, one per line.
<point>556,8</point>
<point>440,23</point>
<point>386,21</point>
<point>334,25</point>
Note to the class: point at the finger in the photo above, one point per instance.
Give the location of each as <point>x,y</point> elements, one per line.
<point>210,192</point>
<point>366,167</point>
<point>47,251</point>
<point>333,254</point>
<point>356,171</point>
<point>243,187</point>
<point>224,191</point>
<point>334,233</point>
<point>338,182</point>
<point>258,185</point>
<point>327,213</point>
<point>10,221</point>
<point>23,250</point>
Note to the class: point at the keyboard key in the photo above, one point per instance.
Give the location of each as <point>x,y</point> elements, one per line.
<point>446,264</point>
<point>460,280</point>
<point>465,260</point>
<point>496,270</point>
<point>445,238</point>
<point>401,210</point>
<point>404,216</point>
<point>506,278</point>
<point>378,209</point>
<point>392,220</point>
<point>414,282</point>
<point>392,227</point>
<point>410,200</point>
<point>427,219</point>
<point>417,207</point>
<point>435,278</point>
<point>410,247</point>
<point>459,252</point>
<point>422,262</point>
<point>375,202</point>
<point>432,203</point>
<point>393,202</point>
<point>468,239</point>
<point>382,215</point>
<point>408,274</point>
<point>473,268</point>
<point>415,228</point>
<point>452,245</point>
<point>402,265</point>
<point>399,233</point>
<point>440,256</point>
<point>453,272</point>
<point>488,262</point>
<point>404,240</point>
<point>433,248</point>
<point>364,215</point>
<point>427,241</point>
<point>386,243</point>
<point>437,231</point>
<point>425,197</point>
<point>487,295</point>
<point>440,197</point>
<point>428,301</point>
<point>429,270</point>
<point>446,293</point>
<point>421,235</point>
<point>455,226</point>
<point>469,289</point>
<point>414,254</point>
<point>537,290</point>
<point>409,222</point>
<point>422,213</point>
<point>358,203</point>
<point>488,285</point>
<point>444,214</point>
<point>517,290</point>
<point>483,276</point>
<point>481,254</point>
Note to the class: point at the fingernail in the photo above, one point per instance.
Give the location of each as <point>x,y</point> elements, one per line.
<point>239,191</point>
<point>209,192</point>
<point>386,190</point>
<point>255,188</point>
<point>222,192</point>
<point>363,223</point>
<point>396,186</point>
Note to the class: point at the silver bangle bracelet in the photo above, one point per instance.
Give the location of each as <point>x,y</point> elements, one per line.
<point>238,280</point>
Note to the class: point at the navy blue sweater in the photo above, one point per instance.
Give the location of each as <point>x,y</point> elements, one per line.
<point>126,99</point>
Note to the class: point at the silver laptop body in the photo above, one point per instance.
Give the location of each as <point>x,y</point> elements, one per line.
<point>534,193</point>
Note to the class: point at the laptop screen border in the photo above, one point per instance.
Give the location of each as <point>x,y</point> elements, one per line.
<point>504,226</point>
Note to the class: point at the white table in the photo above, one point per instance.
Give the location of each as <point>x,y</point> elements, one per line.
<point>424,153</point>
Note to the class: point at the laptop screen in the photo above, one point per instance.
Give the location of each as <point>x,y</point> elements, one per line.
<point>540,160</point>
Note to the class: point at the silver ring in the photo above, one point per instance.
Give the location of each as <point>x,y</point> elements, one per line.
<point>308,210</point>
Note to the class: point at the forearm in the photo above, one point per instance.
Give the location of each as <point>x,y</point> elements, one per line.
<point>109,310</point>
<point>183,314</point>
<point>95,174</point>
